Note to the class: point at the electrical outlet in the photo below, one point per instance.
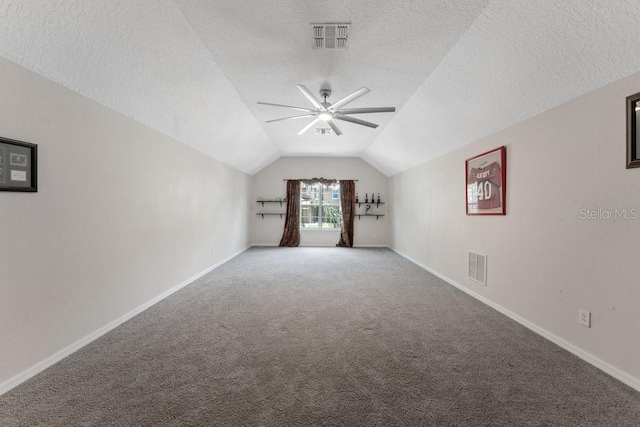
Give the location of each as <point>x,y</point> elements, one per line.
<point>584,318</point>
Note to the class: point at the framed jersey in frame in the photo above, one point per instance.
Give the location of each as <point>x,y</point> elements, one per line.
<point>486,180</point>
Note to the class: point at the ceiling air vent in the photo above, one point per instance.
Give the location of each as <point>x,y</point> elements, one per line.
<point>478,268</point>
<point>323,131</point>
<point>330,36</point>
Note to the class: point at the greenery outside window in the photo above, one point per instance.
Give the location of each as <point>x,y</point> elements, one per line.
<point>320,206</point>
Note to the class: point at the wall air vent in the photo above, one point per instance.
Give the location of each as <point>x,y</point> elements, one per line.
<point>478,268</point>
<point>330,36</point>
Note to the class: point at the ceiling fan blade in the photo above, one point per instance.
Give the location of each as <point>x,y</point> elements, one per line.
<point>356,121</point>
<point>367,110</point>
<point>309,126</point>
<point>334,126</point>
<point>290,118</point>
<point>286,106</point>
<point>349,98</point>
<point>306,92</point>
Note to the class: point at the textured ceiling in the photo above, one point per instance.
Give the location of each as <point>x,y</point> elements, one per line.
<point>195,69</point>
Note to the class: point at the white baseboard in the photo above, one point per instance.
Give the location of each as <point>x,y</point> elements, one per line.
<point>54,358</point>
<point>319,246</point>
<point>619,374</point>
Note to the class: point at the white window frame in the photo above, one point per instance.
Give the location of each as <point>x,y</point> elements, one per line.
<point>321,207</point>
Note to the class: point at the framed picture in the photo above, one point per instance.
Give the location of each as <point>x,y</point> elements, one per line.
<point>18,166</point>
<point>486,180</point>
<point>633,115</point>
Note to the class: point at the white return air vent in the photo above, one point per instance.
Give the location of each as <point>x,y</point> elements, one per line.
<point>330,36</point>
<point>478,267</point>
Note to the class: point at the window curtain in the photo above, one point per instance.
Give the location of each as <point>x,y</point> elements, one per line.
<point>291,234</point>
<point>347,200</point>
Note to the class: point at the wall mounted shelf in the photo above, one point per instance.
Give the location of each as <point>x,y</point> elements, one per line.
<point>271,213</point>
<point>271,201</point>
<point>280,201</point>
<point>370,203</point>
<point>376,215</point>
<point>372,209</point>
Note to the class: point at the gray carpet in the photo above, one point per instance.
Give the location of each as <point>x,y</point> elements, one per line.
<point>321,336</point>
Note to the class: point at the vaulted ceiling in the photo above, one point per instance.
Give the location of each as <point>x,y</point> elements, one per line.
<point>455,70</point>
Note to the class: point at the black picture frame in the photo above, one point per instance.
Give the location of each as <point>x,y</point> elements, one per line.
<point>18,166</point>
<point>633,116</point>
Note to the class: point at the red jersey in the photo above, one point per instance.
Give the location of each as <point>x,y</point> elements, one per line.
<point>486,185</point>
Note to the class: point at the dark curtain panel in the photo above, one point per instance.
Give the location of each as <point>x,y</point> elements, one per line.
<point>291,234</point>
<point>347,200</point>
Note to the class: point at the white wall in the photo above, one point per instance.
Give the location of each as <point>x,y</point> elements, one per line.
<point>544,261</point>
<point>269,184</point>
<point>123,214</point>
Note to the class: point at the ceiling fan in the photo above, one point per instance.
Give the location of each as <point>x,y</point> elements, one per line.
<point>329,113</point>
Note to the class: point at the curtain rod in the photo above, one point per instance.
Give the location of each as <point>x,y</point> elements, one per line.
<point>309,179</point>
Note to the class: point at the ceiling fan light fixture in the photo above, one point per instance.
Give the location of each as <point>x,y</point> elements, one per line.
<point>328,113</point>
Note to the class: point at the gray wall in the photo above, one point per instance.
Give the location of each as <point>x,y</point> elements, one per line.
<point>545,261</point>
<point>123,214</point>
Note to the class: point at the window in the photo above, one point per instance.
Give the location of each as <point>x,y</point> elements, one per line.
<point>320,206</point>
